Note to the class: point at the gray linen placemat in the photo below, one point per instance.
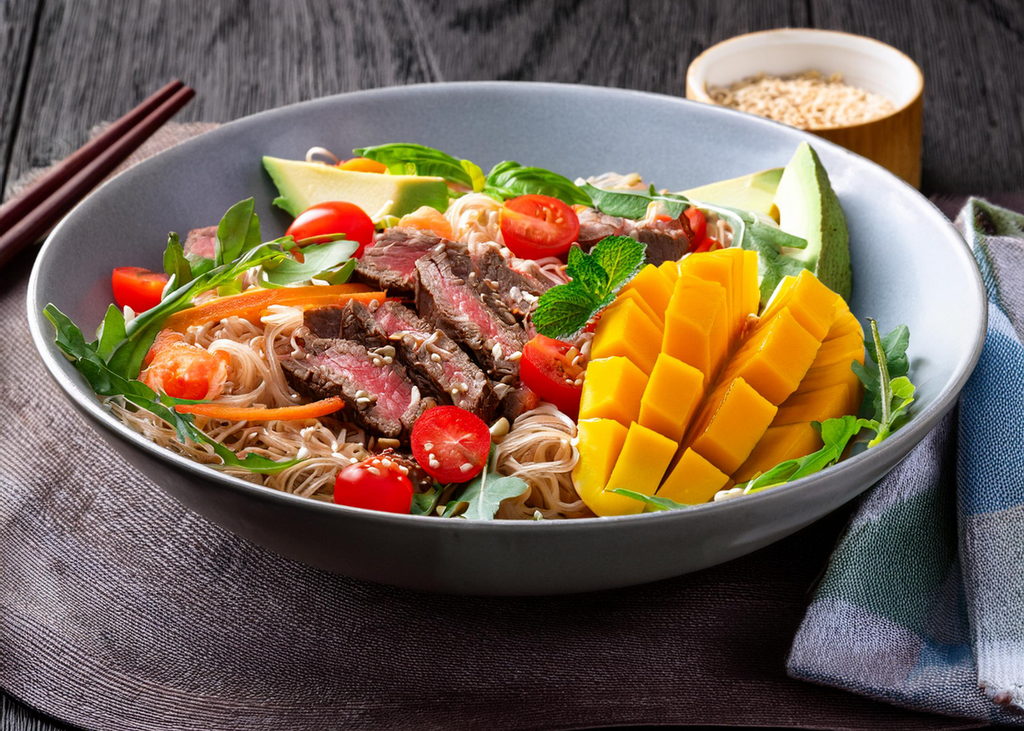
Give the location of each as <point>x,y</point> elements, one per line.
<point>120,609</point>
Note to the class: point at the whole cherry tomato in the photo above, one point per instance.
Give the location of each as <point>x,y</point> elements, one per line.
<point>376,483</point>
<point>334,217</point>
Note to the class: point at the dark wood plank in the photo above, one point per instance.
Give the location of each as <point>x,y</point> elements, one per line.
<point>98,58</point>
<point>972,57</point>
<point>18,22</point>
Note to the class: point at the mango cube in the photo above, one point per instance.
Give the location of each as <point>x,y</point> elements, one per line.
<point>825,403</point>
<point>779,443</point>
<point>658,318</point>
<point>600,443</point>
<point>641,465</point>
<point>625,330</point>
<point>734,419</point>
<point>808,300</point>
<point>693,480</point>
<point>671,270</point>
<point>613,389</point>
<point>653,286</point>
<point>776,358</point>
<point>696,330</point>
<point>671,398</point>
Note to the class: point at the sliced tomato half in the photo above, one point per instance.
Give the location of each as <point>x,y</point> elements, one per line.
<point>137,288</point>
<point>536,226</point>
<point>552,369</point>
<point>451,444</point>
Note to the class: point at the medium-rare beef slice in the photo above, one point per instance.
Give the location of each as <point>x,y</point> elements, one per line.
<point>433,361</point>
<point>445,298</point>
<point>201,242</point>
<point>324,322</point>
<point>666,240</point>
<point>504,288</point>
<point>377,395</point>
<point>595,226</point>
<point>518,401</point>
<point>390,263</point>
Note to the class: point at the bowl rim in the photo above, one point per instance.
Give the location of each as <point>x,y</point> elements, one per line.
<point>700,89</point>
<point>87,403</point>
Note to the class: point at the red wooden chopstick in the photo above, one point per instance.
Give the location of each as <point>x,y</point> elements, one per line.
<point>24,219</point>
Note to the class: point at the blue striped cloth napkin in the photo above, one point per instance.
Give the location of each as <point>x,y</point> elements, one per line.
<point>923,601</point>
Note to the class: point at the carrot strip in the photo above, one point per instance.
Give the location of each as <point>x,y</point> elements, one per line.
<point>250,305</point>
<point>259,413</point>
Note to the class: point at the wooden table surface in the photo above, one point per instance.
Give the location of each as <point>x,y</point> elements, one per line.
<point>67,65</point>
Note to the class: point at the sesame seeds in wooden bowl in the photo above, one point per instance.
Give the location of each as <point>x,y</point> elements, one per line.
<point>855,91</point>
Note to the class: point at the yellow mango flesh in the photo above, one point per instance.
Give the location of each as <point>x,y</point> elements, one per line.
<point>671,398</point>
<point>696,329</point>
<point>612,389</point>
<point>825,403</point>
<point>778,356</point>
<point>600,443</point>
<point>693,480</point>
<point>809,301</point>
<point>652,284</point>
<point>658,318</point>
<point>779,444</point>
<point>625,330</point>
<point>734,419</point>
<point>640,466</point>
<point>671,270</point>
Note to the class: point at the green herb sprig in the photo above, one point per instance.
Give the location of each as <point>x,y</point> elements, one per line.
<point>480,498</point>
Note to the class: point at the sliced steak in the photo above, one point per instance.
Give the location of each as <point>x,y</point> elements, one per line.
<point>324,322</point>
<point>445,298</point>
<point>595,226</point>
<point>666,240</point>
<point>505,288</point>
<point>201,242</point>
<point>433,361</point>
<point>390,264</point>
<point>377,395</point>
<point>517,402</point>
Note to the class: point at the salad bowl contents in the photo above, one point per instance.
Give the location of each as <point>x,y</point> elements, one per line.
<point>439,348</point>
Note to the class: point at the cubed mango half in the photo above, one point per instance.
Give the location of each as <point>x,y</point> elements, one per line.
<point>733,420</point>
<point>600,443</point>
<point>653,286</point>
<point>613,388</point>
<point>693,480</point>
<point>625,330</point>
<point>671,397</point>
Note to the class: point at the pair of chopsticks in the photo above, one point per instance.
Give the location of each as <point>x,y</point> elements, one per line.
<point>25,218</point>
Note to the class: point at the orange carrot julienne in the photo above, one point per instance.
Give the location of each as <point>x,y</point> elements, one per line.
<point>258,413</point>
<point>251,305</point>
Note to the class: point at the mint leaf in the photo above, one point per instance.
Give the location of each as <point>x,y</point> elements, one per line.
<point>632,203</point>
<point>587,271</point>
<point>564,310</point>
<point>509,179</point>
<point>653,502</point>
<point>621,257</point>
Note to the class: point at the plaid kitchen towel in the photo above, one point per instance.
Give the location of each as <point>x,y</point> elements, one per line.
<point>923,602</point>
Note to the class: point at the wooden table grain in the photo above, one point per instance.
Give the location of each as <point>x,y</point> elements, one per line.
<point>66,65</point>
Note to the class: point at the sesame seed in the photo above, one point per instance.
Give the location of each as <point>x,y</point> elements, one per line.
<point>435,357</point>
<point>515,356</point>
<point>373,471</point>
<point>302,453</point>
<point>465,467</point>
<point>496,351</point>
<point>428,446</point>
<point>403,469</point>
<point>386,462</point>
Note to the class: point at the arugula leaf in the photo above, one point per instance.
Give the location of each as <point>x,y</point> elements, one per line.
<point>342,275</point>
<point>425,503</point>
<point>654,503</point>
<point>509,179</point>
<point>888,393</point>
<point>110,333</point>
<point>633,203</point>
<point>483,495</point>
<point>317,258</point>
<point>565,309</point>
<point>238,231</point>
<point>407,158</point>
<point>175,264</point>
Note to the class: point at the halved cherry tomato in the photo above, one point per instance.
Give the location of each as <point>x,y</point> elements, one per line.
<point>138,288</point>
<point>376,483</point>
<point>363,165</point>
<point>708,244</point>
<point>186,371</point>
<point>451,444</point>
<point>334,217</point>
<point>547,367</point>
<point>535,226</point>
<point>698,224</point>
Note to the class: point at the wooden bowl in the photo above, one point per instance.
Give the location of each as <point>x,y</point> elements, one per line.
<point>893,141</point>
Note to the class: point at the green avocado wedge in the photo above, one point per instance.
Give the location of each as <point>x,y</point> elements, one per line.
<point>753,192</point>
<point>809,208</point>
<point>303,184</point>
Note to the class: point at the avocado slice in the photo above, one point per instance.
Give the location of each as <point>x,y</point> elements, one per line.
<point>754,192</point>
<point>304,184</point>
<point>809,208</point>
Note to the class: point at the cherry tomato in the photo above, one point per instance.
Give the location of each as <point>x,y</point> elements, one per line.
<point>536,226</point>
<point>363,165</point>
<point>708,244</point>
<point>186,371</point>
<point>451,444</point>
<point>138,288</point>
<point>698,224</point>
<point>334,217</point>
<point>376,483</point>
<point>547,368</point>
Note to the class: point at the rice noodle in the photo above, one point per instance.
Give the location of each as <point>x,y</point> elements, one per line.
<point>474,219</point>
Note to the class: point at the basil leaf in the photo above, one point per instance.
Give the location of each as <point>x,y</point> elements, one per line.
<point>234,231</point>
<point>564,310</point>
<point>175,264</point>
<point>633,203</point>
<point>653,502</point>
<point>110,333</point>
<point>317,258</point>
<point>509,179</point>
<point>621,257</point>
<point>407,158</point>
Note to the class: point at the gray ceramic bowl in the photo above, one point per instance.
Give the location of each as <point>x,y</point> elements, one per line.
<point>910,266</point>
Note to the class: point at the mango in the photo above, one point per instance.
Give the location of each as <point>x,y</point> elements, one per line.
<point>779,444</point>
<point>808,300</point>
<point>640,466</point>
<point>613,388</point>
<point>671,270</point>
<point>658,318</point>
<point>600,443</point>
<point>653,286</point>
<point>671,397</point>
<point>696,328</point>
<point>693,480</point>
<point>825,403</point>
<point>625,330</point>
<point>732,422</point>
<point>776,358</point>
